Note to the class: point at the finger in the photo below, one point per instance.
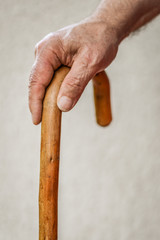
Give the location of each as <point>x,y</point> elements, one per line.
<point>42,43</point>
<point>74,84</point>
<point>41,75</point>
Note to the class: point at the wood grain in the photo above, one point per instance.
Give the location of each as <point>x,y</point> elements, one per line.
<point>49,165</point>
<point>50,147</point>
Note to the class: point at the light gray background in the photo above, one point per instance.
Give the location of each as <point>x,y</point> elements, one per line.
<point>109,177</point>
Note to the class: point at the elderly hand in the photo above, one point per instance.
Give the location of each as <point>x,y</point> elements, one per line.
<point>87,47</point>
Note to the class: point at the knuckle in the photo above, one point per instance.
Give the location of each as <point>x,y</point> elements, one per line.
<point>32,79</point>
<point>94,61</point>
<point>38,47</point>
<point>35,89</point>
<point>75,84</point>
<point>87,56</point>
<point>51,37</point>
<point>93,57</point>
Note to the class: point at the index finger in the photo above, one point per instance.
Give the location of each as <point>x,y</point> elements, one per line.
<point>41,75</point>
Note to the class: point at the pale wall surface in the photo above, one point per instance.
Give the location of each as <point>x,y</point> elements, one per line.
<point>109,178</point>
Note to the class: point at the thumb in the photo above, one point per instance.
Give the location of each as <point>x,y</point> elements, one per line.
<point>74,84</point>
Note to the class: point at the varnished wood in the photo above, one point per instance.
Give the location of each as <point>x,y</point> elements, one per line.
<point>102,99</point>
<point>49,166</point>
<point>50,148</point>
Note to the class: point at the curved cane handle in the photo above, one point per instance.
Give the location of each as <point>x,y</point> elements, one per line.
<point>50,148</point>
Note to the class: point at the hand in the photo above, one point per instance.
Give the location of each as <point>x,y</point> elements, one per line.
<point>87,47</point>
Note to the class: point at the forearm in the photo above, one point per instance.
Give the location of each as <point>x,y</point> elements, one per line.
<point>145,19</point>
<point>126,16</point>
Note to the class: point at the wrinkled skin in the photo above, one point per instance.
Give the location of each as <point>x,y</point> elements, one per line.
<point>87,47</point>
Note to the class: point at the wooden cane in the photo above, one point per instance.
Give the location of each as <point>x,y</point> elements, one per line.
<point>50,147</point>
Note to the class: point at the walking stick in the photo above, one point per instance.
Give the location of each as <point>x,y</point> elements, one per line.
<point>50,147</point>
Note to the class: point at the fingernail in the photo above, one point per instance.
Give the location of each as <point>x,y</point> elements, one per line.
<point>65,103</point>
<point>34,120</point>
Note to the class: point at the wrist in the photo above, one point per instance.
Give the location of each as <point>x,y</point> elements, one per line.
<point>105,27</point>
<point>115,22</point>
<point>122,16</point>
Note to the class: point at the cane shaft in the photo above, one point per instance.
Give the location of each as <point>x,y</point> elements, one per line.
<point>49,166</point>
